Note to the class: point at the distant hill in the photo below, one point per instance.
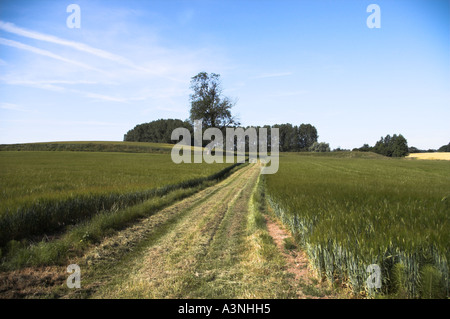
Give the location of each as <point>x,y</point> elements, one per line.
<point>88,146</point>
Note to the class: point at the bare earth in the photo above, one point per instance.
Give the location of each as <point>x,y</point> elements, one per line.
<point>297,263</point>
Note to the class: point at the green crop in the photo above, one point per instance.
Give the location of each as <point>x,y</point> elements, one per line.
<point>41,192</point>
<point>349,213</point>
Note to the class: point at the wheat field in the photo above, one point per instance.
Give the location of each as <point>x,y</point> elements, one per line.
<point>348,213</point>
<point>430,156</point>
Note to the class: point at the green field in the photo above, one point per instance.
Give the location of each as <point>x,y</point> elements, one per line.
<point>349,213</point>
<point>41,192</point>
<point>346,210</point>
<point>92,146</point>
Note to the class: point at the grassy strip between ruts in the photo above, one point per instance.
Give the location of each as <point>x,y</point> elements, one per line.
<point>264,263</point>
<point>167,262</point>
<point>81,236</point>
<point>214,250</point>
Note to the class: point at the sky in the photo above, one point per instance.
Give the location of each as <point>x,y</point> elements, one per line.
<point>316,62</point>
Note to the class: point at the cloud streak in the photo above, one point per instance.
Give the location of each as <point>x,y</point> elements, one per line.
<point>11,28</point>
<point>272,75</point>
<point>13,107</point>
<point>26,47</point>
<point>50,85</point>
<point>287,93</point>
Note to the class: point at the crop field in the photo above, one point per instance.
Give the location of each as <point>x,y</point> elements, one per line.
<point>141,226</point>
<point>92,146</point>
<point>349,213</point>
<point>42,191</point>
<point>430,156</point>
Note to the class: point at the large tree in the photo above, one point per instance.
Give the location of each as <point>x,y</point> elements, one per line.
<point>307,135</point>
<point>208,104</point>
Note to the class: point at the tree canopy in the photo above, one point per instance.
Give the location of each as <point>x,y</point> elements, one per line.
<point>395,146</point>
<point>296,138</point>
<point>292,138</point>
<point>158,131</point>
<point>444,148</point>
<point>208,104</point>
<point>319,147</point>
<point>391,146</point>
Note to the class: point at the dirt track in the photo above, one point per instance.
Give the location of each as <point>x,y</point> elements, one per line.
<point>199,247</point>
<point>175,264</point>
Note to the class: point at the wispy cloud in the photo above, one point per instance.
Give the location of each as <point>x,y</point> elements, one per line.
<point>95,123</point>
<point>41,83</point>
<point>272,75</point>
<point>46,53</point>
<point>168,109</point>
<point>154,69</point>
<point>69,82</point>
<point>50,85</point>
<point>11,28</point>
<point>100,96</point>
<point>36,84</point>
<point>12,107</point>
<point>287,93</point>
<point>61,122</point>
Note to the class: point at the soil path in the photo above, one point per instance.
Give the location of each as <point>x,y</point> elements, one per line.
<point>297,263</point>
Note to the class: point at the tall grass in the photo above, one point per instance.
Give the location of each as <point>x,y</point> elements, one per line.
<point>44,191</point>
<point>349,213</point>
<point>81,236</point>
<point>127,147</point>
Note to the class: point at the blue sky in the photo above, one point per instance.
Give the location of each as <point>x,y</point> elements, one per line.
<point>284,61</point>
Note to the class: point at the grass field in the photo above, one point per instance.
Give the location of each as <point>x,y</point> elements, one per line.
<point>199,238</point>
<point>28,176</point>
<point>91,146</point>
<point>349,213</point>
<point>43,192</point>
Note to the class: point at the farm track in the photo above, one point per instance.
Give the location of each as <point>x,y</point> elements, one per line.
<point>99,264</point>
<point>199,247</point>
<point>175,264</point>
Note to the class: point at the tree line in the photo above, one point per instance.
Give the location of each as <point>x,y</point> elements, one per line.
<point>397,146</point>
<point>291,138</point>
<point>390,146</point>
<point>158,131</point>
<point>209,105</point>
<point>443,148</point>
